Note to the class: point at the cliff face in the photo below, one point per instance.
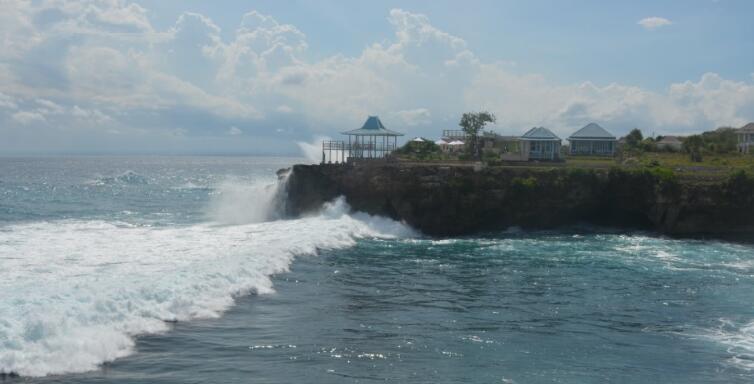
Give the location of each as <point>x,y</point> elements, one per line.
<point>452,200</point>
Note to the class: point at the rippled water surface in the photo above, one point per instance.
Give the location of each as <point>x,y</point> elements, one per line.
<point>169,270</point>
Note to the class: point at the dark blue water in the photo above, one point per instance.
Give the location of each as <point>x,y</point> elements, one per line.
<point>351,298</point>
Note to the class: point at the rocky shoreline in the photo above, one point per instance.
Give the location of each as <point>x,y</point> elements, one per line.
<point>445,200</point>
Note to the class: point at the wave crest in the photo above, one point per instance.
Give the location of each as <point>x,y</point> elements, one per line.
<point>107,282</point>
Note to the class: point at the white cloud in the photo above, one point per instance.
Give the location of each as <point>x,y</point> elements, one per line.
<point>654,22</point>
<point>25,117</point>
<point>6,101</point>
<point>101,65</point>
<point>413,117</point>
<point>91,116</point>
<point>47,107</point>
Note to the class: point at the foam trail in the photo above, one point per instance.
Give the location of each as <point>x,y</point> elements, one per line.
<point>738,340</point>
<point>75,293</point>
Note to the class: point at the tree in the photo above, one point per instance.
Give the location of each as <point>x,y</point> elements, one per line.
<point>634,138</point>
<point>721,140</point>
<point>472,123</point>
<point>693,146</point>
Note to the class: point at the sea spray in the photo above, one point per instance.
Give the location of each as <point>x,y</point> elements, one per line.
<point>312,151</point>
<point>237,202</point>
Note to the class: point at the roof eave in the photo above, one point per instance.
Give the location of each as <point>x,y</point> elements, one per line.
<point>592,138</point>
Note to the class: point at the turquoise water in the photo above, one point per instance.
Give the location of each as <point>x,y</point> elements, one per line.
<point>176,270</point>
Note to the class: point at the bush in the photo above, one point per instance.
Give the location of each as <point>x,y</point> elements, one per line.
<point>524,183</point>
<point>490,156</point>
<point>425,150</point>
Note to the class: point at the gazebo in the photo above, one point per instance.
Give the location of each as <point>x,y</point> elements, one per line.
<point>372,140</point>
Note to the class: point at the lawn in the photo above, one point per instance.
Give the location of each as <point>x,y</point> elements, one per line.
<point>712,165</point>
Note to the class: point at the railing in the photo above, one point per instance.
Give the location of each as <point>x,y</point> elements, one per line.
<point>455,134</point>
<point>338,152</point>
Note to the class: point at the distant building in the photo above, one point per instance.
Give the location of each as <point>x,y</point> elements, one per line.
<point>671,143</point>
<point>745,138</point>
<point>454,134</point>
<point>592,140</point>
<point>455,146</point>
<point>541,144</point>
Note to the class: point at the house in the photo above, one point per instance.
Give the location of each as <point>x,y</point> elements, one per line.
<point>592,140</point>
<point>541,144</point>
<point>669,143</point>
<point>745,138</point>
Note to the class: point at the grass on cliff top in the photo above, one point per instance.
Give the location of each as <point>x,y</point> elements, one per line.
<point>712,166</point>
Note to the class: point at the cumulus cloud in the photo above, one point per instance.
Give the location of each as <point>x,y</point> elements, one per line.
<point>25,117</point>
<point>7,101</point>
<point>654,22</point>
<point>413,117</point>
<point>96,67</point>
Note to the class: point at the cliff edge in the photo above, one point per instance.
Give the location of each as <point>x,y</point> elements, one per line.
<point>455,200</point>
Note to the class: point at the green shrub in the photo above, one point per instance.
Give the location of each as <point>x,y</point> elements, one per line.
<point>525,182</point>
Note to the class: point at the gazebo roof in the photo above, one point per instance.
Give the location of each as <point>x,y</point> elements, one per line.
<point>592,131</point>
<point>373,127</point>
<point>541,134</point>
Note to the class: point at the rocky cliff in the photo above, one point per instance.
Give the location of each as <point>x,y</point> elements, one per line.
<point>453,200</point>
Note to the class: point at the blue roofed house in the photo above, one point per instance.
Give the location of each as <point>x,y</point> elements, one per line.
<point>592,140</point>
<point>541,144</point>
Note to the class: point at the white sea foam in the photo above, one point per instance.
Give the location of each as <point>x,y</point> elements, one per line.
<point>75,293</point>
<point>738,340</point>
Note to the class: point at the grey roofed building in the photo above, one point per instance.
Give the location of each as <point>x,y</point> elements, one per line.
<point>592,139</point>
<point>539,133</point>
<point>673,143</point>
<point>541,144</point>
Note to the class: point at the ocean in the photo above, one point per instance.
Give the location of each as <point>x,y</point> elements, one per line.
<point>182,270</point>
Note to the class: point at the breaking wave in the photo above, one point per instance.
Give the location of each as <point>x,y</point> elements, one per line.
<point>127,177</point>
<point>77,292</point>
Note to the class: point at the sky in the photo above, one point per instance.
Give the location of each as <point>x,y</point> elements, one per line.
<point>257,77</point>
